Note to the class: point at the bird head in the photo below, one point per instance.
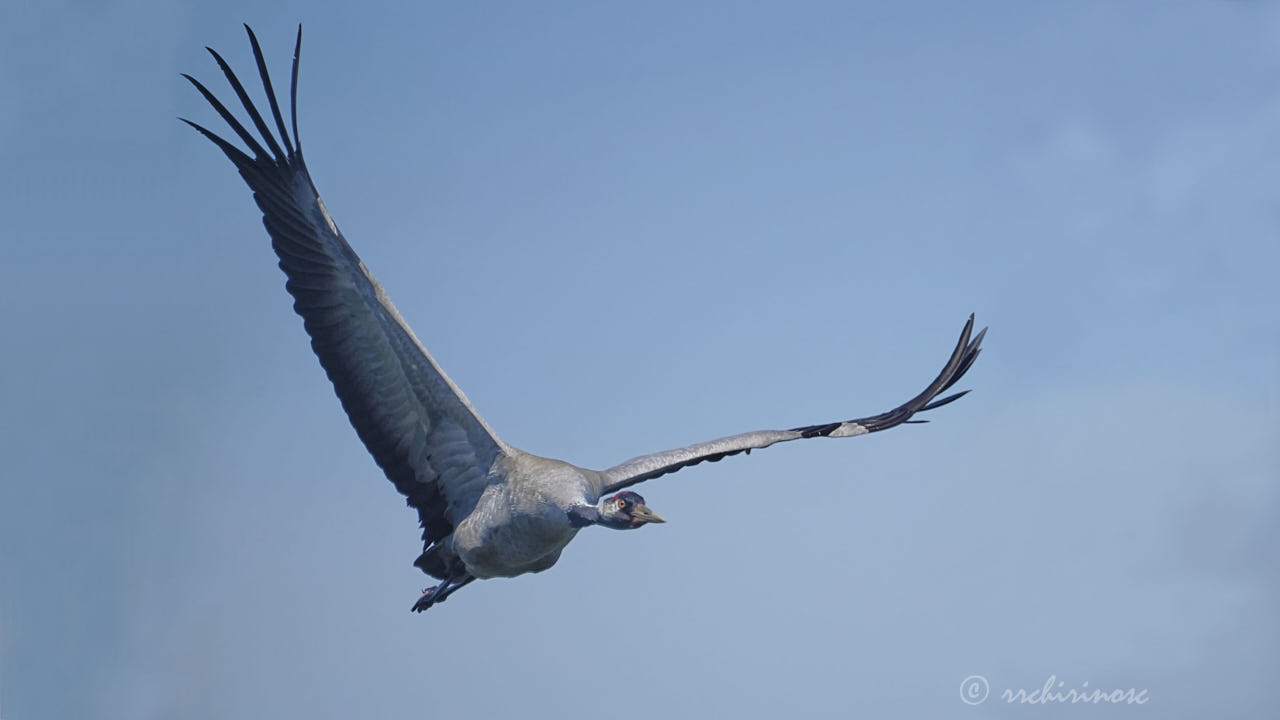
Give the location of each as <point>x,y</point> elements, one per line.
<point>626,511</point>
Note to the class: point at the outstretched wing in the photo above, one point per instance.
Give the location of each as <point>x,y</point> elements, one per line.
<point>415,422</point>
<point>647,467</point>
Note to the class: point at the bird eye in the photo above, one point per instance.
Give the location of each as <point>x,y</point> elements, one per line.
<point>622,504</point>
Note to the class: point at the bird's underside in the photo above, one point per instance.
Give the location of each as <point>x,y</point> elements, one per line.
<point>486,508</point>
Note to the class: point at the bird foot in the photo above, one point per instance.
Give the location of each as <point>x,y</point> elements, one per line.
<point>429,598</point>
<point>440,593</point>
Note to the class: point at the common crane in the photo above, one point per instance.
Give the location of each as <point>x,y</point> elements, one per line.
<point>487,509</point>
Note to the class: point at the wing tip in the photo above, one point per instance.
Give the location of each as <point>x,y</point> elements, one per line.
<point>273,150</point>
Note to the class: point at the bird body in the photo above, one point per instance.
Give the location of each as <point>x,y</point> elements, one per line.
<point>520,525</point>
<point>487,509</point>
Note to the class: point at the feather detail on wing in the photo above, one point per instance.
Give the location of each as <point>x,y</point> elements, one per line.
<point>647,467</point>
<point>415,422</point>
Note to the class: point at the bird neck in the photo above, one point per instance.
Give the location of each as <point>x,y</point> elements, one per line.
<point>581,516</point>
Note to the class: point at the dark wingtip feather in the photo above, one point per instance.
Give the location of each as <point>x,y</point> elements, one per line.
<point>293,90</point>
<point>236,154</point>
<point>226,116</point>
<point>962,357</point>
<point>266,86</point>
<point>944,401</point>
<point>972,350</point>
<point>276,151</point>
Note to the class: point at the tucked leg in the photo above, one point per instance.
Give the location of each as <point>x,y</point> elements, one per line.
<point>454,588</point>
<point>439,593</point>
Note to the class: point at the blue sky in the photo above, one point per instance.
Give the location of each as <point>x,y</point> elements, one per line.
<point>623,227</point>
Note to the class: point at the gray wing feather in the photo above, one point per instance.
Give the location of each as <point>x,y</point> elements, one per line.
<point>416,423</point>
<point>647,467</point>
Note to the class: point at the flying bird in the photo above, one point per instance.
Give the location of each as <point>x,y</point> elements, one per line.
<point>487,509</point>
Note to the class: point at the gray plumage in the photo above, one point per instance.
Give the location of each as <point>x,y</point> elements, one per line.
<point>486,509</point>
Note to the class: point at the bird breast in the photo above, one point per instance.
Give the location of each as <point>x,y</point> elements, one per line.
<point>521,525</point>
